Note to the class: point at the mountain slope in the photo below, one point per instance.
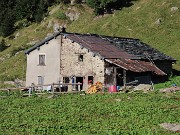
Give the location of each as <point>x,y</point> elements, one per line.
<point>152,21</point>
<point>155,22</point>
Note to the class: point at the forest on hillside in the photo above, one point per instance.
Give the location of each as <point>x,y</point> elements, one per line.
<point>15,14</point>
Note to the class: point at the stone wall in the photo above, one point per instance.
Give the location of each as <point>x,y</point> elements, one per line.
<point>71,66</point>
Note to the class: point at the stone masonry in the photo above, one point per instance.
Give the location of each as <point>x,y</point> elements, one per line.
<point>71,66</point>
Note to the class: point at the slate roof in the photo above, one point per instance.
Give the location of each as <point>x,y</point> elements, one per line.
<point>138,48</point>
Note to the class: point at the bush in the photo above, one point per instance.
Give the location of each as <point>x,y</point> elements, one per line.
<point>61,15</point>
<point>22,23</point>
<point>2,45</point>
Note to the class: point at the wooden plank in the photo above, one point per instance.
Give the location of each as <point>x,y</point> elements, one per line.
<point>4,89</point>
<point>124,78</point>
<point>27,94</point>
<point>114,76</point>
<point>68,92</point>
<point>55,84</point>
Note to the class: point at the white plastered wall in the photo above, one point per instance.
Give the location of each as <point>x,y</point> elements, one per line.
<point>51,70</point>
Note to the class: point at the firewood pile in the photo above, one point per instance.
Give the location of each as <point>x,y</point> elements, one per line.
<point>94,88</point>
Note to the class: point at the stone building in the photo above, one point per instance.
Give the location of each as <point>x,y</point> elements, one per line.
<point>71,57</point>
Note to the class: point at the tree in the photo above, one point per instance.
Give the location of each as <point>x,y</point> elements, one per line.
<point>2,45</point>
<point>16,10</point>
<point>7,23</point>
<point>7,17</point>
<point>102,6</point>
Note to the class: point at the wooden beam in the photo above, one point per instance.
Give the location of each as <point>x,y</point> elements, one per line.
<point>80,53</point>
<point>114,76</point>
<point>124,78</point>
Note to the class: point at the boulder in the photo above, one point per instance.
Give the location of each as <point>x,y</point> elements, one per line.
<point>170,89</point>
<point>171,126</point>
<point>173,9</point>
<point>17,35</point>
<point>50,24</point>
<point>158,21</point>
<point>56,27</point>
<point>72,14</point>
<point>32,42</point>
<point>144,87</point>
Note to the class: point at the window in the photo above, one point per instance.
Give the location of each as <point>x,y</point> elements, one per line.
<point>40,80</point>
<point>80,58</point>
<point>90,79</point>
<point>42,59</point>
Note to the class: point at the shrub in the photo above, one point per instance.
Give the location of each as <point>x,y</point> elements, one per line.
<point>61,15</point>
<point>2,45</point>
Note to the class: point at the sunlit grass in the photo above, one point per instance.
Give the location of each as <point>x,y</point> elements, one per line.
<point>135,113</point>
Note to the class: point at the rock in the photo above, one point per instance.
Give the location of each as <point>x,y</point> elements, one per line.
<point>8,56</point>
<point>32,42</point>
<point>50,24</point>
<point>170,89</point>
<point>54,10</point>
<point>173,9</point>
<point>17,35</point>
<point>73,2</point>
<point>18,53</point>
<point>9,82</point>
<point>51,96</point>
<point>49,34</point>
<point>138,8</point>
<point>2,58</point>
<point>45,18</point>
<point>118,99</point>
<point>171,126</point>
<point>56,27</point>
<point>158,21</point>
<point>144,87</point>
<point>18,82</point>
<point>76,2</point>
<point>72,14</point>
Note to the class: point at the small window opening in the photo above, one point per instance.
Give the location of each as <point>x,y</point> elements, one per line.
<point>42,59</point>
<point>81,58</point>
<point>90,79</point>
<point>40,80</point>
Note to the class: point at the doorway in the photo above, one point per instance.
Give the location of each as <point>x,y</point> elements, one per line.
<point>79,79</point>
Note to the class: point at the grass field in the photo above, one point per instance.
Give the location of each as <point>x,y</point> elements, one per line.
<point>111,114</point>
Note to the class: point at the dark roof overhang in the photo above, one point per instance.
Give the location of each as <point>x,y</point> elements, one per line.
<point>136,66</point>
